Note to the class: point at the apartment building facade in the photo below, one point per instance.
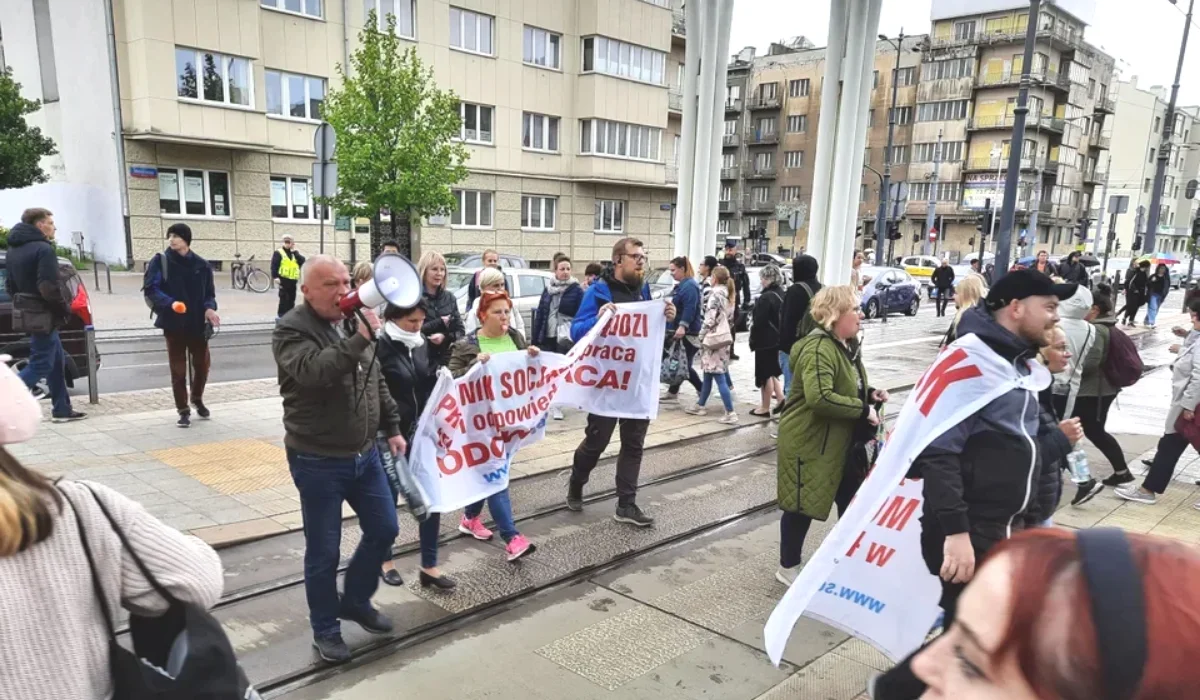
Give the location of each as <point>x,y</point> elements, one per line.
<point>1136,138</point>
<point>773,109</point>
<point>566,111</point>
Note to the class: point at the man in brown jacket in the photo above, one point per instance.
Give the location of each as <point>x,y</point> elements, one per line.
<point>334,399</point>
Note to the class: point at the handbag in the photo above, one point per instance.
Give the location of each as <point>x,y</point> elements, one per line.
<point>865,445</point>
<point>180,655</point>
<point>1189,429</point>
<point>31,314</point>
<point>720,336</point>
<point>674,365</point>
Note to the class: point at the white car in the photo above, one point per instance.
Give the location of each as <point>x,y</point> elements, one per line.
<point>525,286</point>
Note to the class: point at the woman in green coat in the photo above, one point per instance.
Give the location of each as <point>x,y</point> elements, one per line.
<point>829,398</point>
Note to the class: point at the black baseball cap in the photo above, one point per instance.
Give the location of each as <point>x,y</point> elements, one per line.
<point>1022,284</point>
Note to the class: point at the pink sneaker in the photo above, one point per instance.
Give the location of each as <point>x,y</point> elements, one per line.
<point>474,527</point>
<point>519,547</point>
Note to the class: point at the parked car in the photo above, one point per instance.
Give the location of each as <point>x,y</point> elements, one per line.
<point>890,291</point>
<point>474,261</point>
<point>17,344</point>
<point>920,267</point>
<point>764,259</point>
<point>525,286</point>
<point>662,284</point>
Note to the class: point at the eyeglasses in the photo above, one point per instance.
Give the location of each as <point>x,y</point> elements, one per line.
<point>637,257</point>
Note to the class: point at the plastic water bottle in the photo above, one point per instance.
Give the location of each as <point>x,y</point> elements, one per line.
<point>1078,463</point>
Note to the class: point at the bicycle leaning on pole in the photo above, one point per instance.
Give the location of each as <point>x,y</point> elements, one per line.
<point>246,276</point>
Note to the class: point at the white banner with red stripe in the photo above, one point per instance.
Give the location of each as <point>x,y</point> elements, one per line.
<point>868,577</point>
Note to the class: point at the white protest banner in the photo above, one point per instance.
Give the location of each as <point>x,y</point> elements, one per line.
<point>868,577</point>
<point>472,426</point>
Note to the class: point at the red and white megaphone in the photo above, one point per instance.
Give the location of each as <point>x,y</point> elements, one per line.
<point>395,281</point>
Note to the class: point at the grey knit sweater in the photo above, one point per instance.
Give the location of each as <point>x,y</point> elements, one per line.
<point>53,642</point>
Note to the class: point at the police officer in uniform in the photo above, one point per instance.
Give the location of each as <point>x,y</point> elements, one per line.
<point>285,269</point>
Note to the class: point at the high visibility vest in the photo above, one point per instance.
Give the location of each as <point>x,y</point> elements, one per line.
<point>289,269</point>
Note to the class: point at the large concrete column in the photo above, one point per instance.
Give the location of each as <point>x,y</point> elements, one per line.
<point>720,69</point>
<point>866,80</point>
<point>827,128</point>
<point>684,229</point>
<point>704,125</point>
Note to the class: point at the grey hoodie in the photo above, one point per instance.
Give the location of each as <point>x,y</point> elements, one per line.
<point>1080,338</point>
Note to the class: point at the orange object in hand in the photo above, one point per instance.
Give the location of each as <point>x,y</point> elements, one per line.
<point>179,307</point>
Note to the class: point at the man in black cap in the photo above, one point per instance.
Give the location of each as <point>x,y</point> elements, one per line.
<point>741,287</point>
<point>178,286</point>
<point>981,475</point>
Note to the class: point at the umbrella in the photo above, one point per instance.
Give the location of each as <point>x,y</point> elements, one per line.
<point>1089,260</point>
<point>1160,259</point>
<point>1027,260</point>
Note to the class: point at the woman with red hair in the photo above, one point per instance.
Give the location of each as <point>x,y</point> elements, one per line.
<point>1062,615</point>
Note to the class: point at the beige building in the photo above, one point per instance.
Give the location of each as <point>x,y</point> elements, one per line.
<point>565,108</point>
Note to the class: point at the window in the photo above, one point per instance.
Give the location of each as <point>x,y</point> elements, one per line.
<point>727,160</point>
<point>607,138</point>
<point>193,192</point>
<point>405,12</point>
<point>903,115</point>
<point>867,155</point>
<point>899,154</point>
<point>797,123</point>
<point>952,68</point>
<point>312,8</point>
<point>610,215</point>
<point>790,193</point>
<point>875,80</point>
<point>798,88</point>
<point>471,31</point>
<point>964,31</point>
<point>906,76</point>
<point>765,126</point>
<point>538,212</point>
<point>760,195</point>
<point>539,132</point>
<point>476,123</point>
<point>946,191</point>
<point>793,159</point>
<point>225,78</point>
<point>726,193</point>
<point>723,226</point>
<point>764,161</point>
<point>44,35</point>
<point>870,117</point>
<point>292,198</point>
<point>768,91</point>
<point>730,127</point>
<point>1157,124</point>
<point>1151,158</point>
<point>296,96</point>
<point>862,192</point>
<point>543,48</point>
<point>474,209</point>
<point>942,111</point>
<point>612,57</point>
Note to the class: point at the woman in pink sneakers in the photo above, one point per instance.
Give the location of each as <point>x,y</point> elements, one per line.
<point>492,337</point>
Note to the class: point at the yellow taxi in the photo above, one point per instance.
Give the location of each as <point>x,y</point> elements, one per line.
<point>921,267</point>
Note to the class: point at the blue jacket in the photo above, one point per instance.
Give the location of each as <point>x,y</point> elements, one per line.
<point>687,305</point>
<point>190,280</point>
<point>568,306</point>
<point>595,297</point>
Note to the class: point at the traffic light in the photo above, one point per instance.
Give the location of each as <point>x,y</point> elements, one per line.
<point>893,230</point>
<point>984,227</point>
<point>1195,229</point>
<point>1137,242</point>
<point>1084,225</point>
<point>1190,191</point>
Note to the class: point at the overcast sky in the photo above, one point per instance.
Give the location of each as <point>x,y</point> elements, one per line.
<point>1145,42</point>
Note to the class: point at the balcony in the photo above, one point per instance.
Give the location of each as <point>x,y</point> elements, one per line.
<point>729,173</point>
<point>749,203</point>
<point>731,140</point>
<point>761,173</point>
<point>733,104</point>
<point>675,100</point>
<point>1100,142</point>
<point>1061,37</point>
<point>678,23</point>
<point>672,172</point>
<point>1095,177</point>
<point>989,164</point>
<point>764,102</point>
<point>1005,121</point>
<point>1042,76</point>
<point>761,138</point>
<point>725,206</point>
<point>1106,105</point>
<point>1049,167</point>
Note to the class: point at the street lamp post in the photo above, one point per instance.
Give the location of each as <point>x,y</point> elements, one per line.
<point>1164,147</point>
<point>1009,210</point>
<point>880,225</point>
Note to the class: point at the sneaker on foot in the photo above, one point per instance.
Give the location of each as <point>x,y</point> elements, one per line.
<point>69,418</point>
<point>574,497</point>
<point>332,649</point>
<point>730,418</point>
<point>185,420</point>
<point>1196,505</point>
<point>1118,478</point>
<point>1086,492</point>
<point>202,410</point>
<point>669,397</point>
<point>696,410</point>
<point>1134,493</point>
<point>369,619</point>
<point>633,515</point>
<point>39,393</point>
<point>774,430</point>
<point>474,527</point>
<point>518,547</point>
<point>787,574</point>
<point>556,413</point>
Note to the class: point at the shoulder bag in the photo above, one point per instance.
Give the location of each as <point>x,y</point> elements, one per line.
<point>181,655</point>
<point>720,336</point>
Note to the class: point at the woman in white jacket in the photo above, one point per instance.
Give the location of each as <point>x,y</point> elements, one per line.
<point>1074,316</point>
<point>1185,395</point>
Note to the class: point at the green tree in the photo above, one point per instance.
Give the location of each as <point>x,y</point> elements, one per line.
<point>394,129</point>
<point>21,146</point>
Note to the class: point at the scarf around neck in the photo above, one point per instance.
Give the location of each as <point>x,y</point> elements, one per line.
<point>411,340</point>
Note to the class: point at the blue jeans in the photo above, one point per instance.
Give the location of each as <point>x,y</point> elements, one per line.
<point>324,483</point>
<point>429,530</point>
<point>785,365</point>
<point>1152,312</point>
<point>722,381</point>
<point>48,360</point>
<point>501,509</point>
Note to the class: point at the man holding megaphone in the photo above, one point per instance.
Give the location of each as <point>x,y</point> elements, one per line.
<point>334,400</point>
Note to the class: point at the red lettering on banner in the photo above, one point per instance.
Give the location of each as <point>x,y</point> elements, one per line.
<point>627,325</point>
<point>943,374</point>
<point>895,514</point>
<point>857,543</point>
<point>454,416</point>
<point>879,555</point>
